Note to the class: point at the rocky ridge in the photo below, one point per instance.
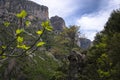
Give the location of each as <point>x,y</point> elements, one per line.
<point>58,23</point>
<point>36,13</point>
<point>15,6</point>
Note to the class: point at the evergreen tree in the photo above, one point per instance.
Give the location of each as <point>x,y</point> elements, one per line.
<point>104,56</point>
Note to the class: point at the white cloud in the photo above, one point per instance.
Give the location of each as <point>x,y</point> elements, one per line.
<point>88,34</point>
<point>90,23</point>
<point>62,8</point>
<point>96,21</point>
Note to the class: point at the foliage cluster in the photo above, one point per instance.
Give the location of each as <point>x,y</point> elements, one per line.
<point>104,57</point>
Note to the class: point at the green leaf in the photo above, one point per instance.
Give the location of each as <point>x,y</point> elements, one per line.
<point>18,31</point>
<point>39,44</point>
<point>46,25</point>
<point>39,32</point>
<point>3,57</point>
<point>42,24</point>
<point>27,23</point>
<point>23,46</point>
<point>22,14</point>
<point>6,24</point>
<point>3,46</point>
<point>49,28</point>
<point>101,45</point>
<point>103,73</point>
<point>20,39</point>
<point>104,55</point>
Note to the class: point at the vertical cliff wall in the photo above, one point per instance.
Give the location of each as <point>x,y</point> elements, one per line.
<point>58,23</point>
<point>15,6</point>
<point>36,13</point>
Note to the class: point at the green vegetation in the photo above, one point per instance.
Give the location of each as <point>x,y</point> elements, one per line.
<point>18,45</point>
<point>103,58</point>
<point>38,53</point>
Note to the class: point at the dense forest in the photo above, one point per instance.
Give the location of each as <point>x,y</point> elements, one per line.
<point>28,52</point>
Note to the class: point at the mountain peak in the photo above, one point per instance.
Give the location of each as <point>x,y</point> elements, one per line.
<point>58,23</point>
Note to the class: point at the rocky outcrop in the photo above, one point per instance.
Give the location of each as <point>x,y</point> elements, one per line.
<point>15,6</point>
<point>76,64</point>
<point>36,13</point>
<point>58,23</point>
<point>84,43</point>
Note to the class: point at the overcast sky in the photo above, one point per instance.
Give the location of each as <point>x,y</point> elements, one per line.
<point>90,15</point>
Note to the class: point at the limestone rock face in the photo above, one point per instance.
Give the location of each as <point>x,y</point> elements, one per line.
<point>84,43</point>
<point>36,13</point>
<point>58,23</point>
<point>15,6</point>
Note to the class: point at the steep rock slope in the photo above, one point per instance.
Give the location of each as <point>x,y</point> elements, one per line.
<point>84,43</point>
<point>15,6</point>
<point>58,23</point>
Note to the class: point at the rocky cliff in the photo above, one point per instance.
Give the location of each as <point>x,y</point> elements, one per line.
<point>84,43</point>
<point>15,6</point>
<point>36,13</point>
<point>58,23</point>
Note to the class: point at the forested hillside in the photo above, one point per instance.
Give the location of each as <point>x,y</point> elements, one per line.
<point>104,57</point>
<point>34,47</point>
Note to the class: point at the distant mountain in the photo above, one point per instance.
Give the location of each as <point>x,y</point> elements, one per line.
<point>84,43</point>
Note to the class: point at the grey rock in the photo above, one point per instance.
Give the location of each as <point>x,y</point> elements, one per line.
<point>84,43</point>
<point>76,64</point>
<point>15,6</point>
<point>58,23</point>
